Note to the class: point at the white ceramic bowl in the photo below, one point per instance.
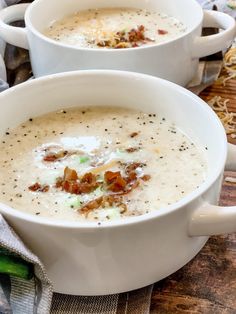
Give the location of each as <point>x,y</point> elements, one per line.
<point>176,60</point>
<point>87,259</point>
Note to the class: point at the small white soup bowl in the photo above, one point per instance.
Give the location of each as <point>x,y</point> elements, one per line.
<point>175,60</point>
<point>91,259</point>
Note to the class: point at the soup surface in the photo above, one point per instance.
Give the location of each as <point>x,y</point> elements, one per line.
<point>97,163</point>
<point>115,28</point>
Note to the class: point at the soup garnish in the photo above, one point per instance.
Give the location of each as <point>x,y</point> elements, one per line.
<point>115,28</point>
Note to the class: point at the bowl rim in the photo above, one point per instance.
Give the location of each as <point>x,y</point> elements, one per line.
<point>155,214</point>
<point>43,37</point>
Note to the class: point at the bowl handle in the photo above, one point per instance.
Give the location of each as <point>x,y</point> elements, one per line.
<point>207,45</point>
<point>13,35</point>
<point>231,158</point>
<point>210,219</point>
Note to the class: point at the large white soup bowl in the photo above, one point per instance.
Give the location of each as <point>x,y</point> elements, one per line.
<point>175,60</point>
<point>91,259</point>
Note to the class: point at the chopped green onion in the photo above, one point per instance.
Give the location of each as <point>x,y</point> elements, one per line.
<point>13,265</point>
<point>83,159</point>
<point>75,202</point>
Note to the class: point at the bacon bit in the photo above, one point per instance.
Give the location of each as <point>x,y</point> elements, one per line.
<point>146,177</point>
<point>104,201</point>
<point>123,39</point>
<point>45,188</point>
<point>88,178</point>
<point>133,134</point>
<point>132,167</point>
<point>109,200</point>
<point>115,181</point>
<point>35,187</point>
<point>132,149</point>
<point>88,187</point>
<point>94,204</point>
<point>136,35</point>
<point>59,182</point>
<point>70,174</point>
<point>111,176</point>
<point>70,183</point>
<point>132,186</point>
<point>39,188</point>
<point>132,176</point>
<point>162,32</point>
<point>51,157</point>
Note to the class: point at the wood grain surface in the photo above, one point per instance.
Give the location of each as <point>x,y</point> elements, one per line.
<point>208,283</point>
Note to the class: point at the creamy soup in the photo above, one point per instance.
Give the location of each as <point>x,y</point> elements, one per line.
<point>98,164</point>
<point>115,28</point>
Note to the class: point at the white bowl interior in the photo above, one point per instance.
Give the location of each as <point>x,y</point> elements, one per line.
<point>115,88</point>
<point>43,12</point>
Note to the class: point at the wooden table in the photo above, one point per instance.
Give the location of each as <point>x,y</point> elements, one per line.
<point>208,283</point>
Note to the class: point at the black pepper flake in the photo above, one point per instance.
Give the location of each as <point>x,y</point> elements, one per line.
<point>30,119</point>
<point>106,130</point>
<point>38,213</point>
<point>64,111</point>
<point>206,148</point>
<point>7,133</point>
